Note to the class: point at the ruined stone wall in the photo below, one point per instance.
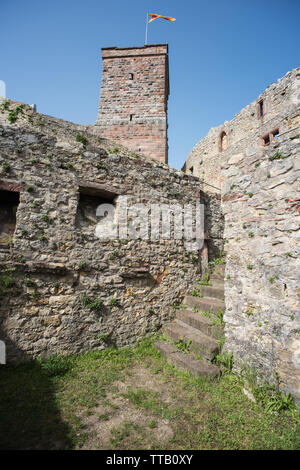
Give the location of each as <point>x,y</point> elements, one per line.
<point>62,289</point>
<point>279,100</point>
<point>261,204</point>
<point>254,159</point>
<point>64,132</point>
<point>133,99</point>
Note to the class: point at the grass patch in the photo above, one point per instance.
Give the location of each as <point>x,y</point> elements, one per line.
<point>219,321</point>
<point>196,293</point>
<point>205,281</point>
<point>8,285</point>
<point>183,346</point>
<point>149,401</point>
<point>94,305</point>
<point>219,260</point>
<point>13,115</point>
<point>205,313</point>
<point>277,156</point>
<point>82,139</point>
<point>6,167</point>
<point>43,404</point>
<point>119,434</point>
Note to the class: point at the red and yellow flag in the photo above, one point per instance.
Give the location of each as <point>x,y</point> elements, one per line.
<point>153,17</point>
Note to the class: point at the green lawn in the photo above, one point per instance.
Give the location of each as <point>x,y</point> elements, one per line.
<point>132,399</point>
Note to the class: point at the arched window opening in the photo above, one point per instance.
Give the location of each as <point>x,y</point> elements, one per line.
<point>223,141</point>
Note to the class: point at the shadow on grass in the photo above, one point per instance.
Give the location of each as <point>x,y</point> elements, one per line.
<point>29,416</point>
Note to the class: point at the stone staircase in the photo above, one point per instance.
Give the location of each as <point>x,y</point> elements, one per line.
<point>192,337</point>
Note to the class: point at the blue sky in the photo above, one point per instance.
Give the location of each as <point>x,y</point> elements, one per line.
<point>222,55</point>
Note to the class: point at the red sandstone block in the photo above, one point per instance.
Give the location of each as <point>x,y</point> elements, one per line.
<point>144,95</point>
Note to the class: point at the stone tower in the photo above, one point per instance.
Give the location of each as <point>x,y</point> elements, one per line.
<point>134,99</point>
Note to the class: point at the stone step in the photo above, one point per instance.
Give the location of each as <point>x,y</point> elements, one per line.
<point>217,273</point>
<point>219,269</point>
<point>200,322</point>
<point>212,291</point>
<point>186,362</point>
<point>217,278</point>
<point>204,303</point>
<point>215,282</point>
<point>200,342</point>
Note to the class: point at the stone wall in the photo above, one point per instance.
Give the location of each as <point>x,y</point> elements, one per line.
<point>133,99</point>
<point>254,159</point>
<point>62,290</point>
<point>64,132</point>
<point>279,112</point>
<point>261,204</point>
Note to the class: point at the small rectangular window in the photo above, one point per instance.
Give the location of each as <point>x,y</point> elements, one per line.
<point>130,117</point>
<point>86,218</point>
<point>192,170</point>
<point>130,76</point>
<point>90,198</point>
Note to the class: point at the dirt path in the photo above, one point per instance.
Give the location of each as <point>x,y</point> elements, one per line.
<point>117,421</point>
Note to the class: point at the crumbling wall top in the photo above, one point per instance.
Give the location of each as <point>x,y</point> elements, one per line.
<point>153,49</point>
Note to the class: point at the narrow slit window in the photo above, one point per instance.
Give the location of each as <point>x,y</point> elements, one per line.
<point>131,76</point>
<point>261,108</point>
<point>130,117</point>
<point>223,141</point>
<point>9,201</point>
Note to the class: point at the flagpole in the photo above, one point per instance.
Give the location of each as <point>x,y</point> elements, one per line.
<point>146,39</point>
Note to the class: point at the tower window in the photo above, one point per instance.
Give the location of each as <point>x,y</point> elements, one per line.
<point>192,170</point>
<point>223,141</point>
<point>130,76</point>
<point>130,117</point>
<point>260,108</point>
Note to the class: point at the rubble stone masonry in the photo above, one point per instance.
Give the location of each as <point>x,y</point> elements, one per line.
<point>273,110</point>
<point>62,289</point>
<point>261,205</point>
<point>256,163</point>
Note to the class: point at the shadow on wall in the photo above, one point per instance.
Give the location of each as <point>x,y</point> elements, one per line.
<point>30,418</point>
<point>214,225</point>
